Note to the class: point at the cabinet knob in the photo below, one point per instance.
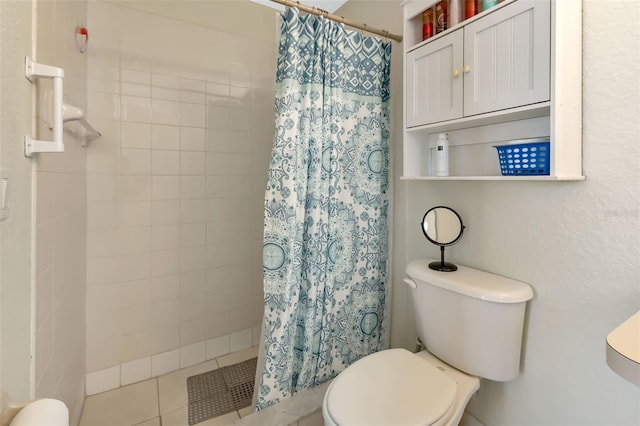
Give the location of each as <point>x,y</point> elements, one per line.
<point>456,73</point>
<point>467,69</point>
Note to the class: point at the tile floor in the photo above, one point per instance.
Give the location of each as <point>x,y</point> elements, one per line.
<point>161,401</point>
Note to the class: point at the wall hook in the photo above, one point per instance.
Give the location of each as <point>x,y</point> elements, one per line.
<point>82,39</point>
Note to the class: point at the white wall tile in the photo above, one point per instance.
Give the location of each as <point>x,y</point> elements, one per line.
<point>135,371</point>
<point>103,298</point>
<point>218,117</point>
<point>135,89</point>
<point>217,186</point>
<point>102,243</point>
<point>165,362</point>
<point>165,94</point>
<point>192,139</point>
<point>102,77</point>
<point>165,137</point>
<point>166,262</point>
<point>165,337</point>
<point>134,239</point>
<point>240,340</point>
<point>134,188</point>
<point>191,307</point>
<point>166,287</point>
<point>217,300</point>
<point>192,187</point>
<point>135,109</point>
<point>217,324</point>
<point>192,115</point>
<point>103,380</point>
<point>135,266</point>
<point>134,346</point>
<point>135,135</point>
<point>135,161</point>
<point>218,347</point>
<point>101,215</point>
<point>165,162</point>
<point>193,282</point>
<point>135,76</point>
<point>102,188</point>
<point>134,293</point>
<point>218,140</point>
<point>134,319</point>
<point>134,213</point>
<point>192,163</point>
<point>193,259</point>
<point>165,81</point>
<point>241,319</point>
<point>165,313</point>
<point>165,112</point>
<point>166,187</point>
<point>104,106</point>
<point>191,85</point>
<point>102,156</point>
<point>193,234</point>
<point>165,237</point>
<point>102,270</point>
<point>192,211</point>
<point>192,354</point>
<point>218,89</point>
<point>165,212</point>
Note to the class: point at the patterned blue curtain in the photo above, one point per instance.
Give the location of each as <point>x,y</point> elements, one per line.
<point>326,205</point>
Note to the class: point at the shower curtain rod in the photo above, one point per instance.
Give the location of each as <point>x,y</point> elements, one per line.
<point>342,19</point>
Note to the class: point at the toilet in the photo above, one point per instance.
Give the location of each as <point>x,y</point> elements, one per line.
<point>470,323</point>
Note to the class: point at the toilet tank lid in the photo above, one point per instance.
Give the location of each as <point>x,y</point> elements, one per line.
<point>472,282</point>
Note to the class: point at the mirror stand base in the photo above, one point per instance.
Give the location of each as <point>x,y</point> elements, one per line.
<point>443,266</point>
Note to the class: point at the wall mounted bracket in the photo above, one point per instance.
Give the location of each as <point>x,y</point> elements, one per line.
<point>32,72</point>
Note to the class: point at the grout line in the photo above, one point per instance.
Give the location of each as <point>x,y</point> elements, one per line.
<point>158,398</point>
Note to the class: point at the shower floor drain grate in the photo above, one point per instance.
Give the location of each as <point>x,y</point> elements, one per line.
<point>221,391</point>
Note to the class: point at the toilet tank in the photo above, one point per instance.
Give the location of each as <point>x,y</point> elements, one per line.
<point>470,319</point>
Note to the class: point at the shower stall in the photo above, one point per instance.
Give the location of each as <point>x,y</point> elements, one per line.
<point>184,98</point>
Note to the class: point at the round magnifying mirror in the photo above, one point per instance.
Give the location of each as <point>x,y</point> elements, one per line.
<point>443,227</point>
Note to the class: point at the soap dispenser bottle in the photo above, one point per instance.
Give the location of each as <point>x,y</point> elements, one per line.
<point>442,155</point>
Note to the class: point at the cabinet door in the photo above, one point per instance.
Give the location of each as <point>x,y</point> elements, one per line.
<point>434,81</point>
<point>507,58</point>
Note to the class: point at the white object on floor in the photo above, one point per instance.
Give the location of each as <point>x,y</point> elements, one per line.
<point>42,412</point>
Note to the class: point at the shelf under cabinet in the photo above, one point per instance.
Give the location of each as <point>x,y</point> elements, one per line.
<point>514,114</point>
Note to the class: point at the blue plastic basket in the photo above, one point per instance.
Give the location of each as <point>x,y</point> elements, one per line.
<point>524,159</point>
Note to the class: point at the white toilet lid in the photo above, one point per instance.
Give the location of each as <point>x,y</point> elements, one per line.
<point>391,387</point>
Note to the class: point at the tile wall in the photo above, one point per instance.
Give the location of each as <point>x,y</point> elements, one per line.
<point>60,218</point>
<point>174,192</point>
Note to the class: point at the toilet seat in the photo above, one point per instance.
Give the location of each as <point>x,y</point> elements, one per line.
<point>391,387</point>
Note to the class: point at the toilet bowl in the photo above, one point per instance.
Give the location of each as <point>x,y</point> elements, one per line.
<point>397,387</point>
<point>471,324</point>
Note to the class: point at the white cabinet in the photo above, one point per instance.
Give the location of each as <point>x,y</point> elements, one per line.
<point>506,58</point>
<point>434,81</point>
<point>510,73</point>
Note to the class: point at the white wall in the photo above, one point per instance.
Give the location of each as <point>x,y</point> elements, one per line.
<point>575,243</point>
<point>42,283</point>
<point>15,231</point>
<point>176,187</point>
<point>60,218</point>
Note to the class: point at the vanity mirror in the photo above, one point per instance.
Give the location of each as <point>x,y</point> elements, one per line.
<point>443,227</point>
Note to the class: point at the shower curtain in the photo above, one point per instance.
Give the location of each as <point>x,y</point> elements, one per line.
<point>326,205</point>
